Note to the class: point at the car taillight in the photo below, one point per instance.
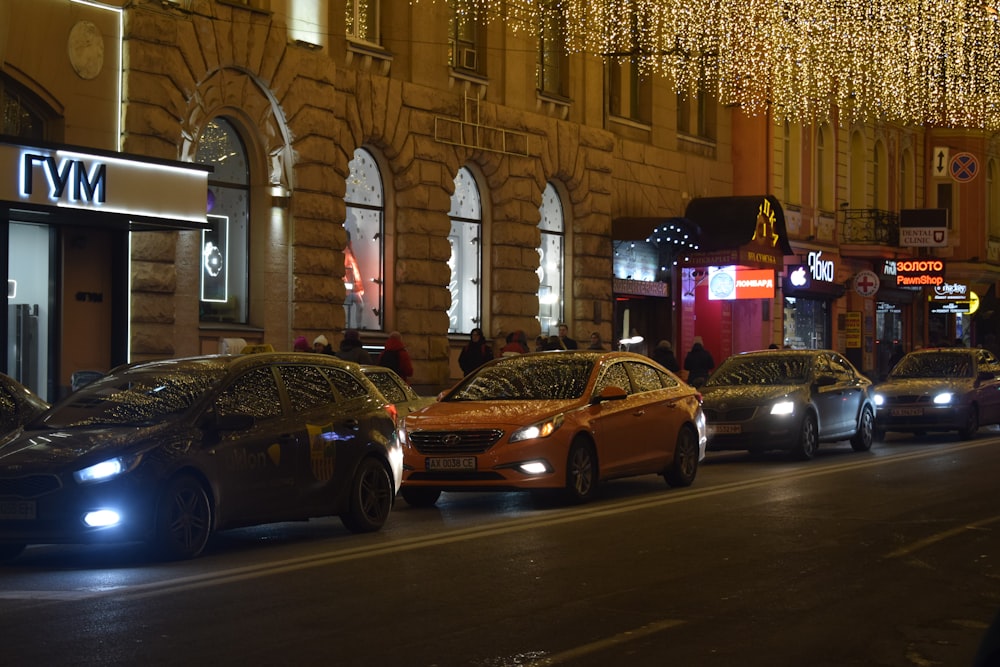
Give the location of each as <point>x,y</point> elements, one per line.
<point>393,412</point>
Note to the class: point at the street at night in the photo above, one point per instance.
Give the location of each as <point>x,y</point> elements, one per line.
<point>884,558</point>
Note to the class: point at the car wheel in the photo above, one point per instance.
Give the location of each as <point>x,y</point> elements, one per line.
<point>862,440</point>
<point>808,438</point>
<point>581,472</point>
<point>420,496</point>
<point>371,497</point>
<point>684,467</point>
<point>183,519</point>
<point>971,424</point>
<point>10,551</point>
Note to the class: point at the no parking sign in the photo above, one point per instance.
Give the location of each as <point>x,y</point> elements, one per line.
<point>963,167</point>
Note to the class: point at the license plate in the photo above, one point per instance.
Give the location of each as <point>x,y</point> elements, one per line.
<point>14,510</point>
<point>459,463</point>
<point>724,429</point>
<point>907,412</point>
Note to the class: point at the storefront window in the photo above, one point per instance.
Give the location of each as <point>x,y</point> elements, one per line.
<point>466,255</point>
<point>551,261</point>
<point>225,248</point>
<point>888,333</point>
<point>363,256</point>
<point>807,323</point>
<point>28,305</point>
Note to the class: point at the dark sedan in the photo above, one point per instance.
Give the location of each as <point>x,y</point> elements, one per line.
<point>788,400</point>
<point>170,451</point>
<point>940,389</point>
<point>18,405</point>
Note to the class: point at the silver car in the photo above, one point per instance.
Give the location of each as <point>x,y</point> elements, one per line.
<point>787,400</point>
<point>940,389</point>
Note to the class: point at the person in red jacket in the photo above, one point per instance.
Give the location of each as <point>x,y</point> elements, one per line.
<point>396,357</point>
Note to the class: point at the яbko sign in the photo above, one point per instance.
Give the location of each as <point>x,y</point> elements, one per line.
<point>105,182</point>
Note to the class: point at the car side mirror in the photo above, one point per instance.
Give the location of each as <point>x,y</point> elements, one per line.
<point>609,393</point>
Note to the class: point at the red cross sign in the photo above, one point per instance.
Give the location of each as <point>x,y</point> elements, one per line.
<point>866,283</point>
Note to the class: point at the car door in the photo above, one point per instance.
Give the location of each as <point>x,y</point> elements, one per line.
<point>615,424</point>
<point>988,388</point>
<point>854,386</point>
<point>657,436</point>
<point>256,465</point>
<point>828,396</point>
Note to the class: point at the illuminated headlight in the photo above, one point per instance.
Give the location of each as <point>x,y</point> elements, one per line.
<point>105,470</point>
<point>879,400</point>
<point>944,398</point>
<point>542,429</point>
<point>783,408</point>
<point>102,518</point>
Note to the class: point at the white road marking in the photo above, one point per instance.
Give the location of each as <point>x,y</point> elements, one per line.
<point>603,644</point>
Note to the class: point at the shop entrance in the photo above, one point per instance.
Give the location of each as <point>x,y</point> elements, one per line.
<point>61,303</point>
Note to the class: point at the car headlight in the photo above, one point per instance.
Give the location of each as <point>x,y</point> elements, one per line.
<point>944,398</point>
<point>783,408</point>
<point>542,429</point>
<point>105,470</point>
<point>879,400</point>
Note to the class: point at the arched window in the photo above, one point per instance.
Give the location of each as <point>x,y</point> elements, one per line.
<point>225,279</point>
<point>825,153</point>
<point>364,258</point>
<point>18,117</point>
<point>551,261</point>
<point>466,255</point>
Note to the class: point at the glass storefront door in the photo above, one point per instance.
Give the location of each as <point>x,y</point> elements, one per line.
<point>29,305</point>
<point>807,323</point>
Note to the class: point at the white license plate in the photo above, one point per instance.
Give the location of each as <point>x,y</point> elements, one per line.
<point>458,463</point>
<point>907,412</point>
<point>724,428</point>
<point>14,510</point>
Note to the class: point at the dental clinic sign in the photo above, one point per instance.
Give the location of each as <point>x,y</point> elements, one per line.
<point>103,182</point>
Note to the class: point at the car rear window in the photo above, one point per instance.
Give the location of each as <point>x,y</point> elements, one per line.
<point>770,369</point>
<point>933,365</point>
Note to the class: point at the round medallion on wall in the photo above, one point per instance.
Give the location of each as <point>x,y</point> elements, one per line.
<point>86,49</point>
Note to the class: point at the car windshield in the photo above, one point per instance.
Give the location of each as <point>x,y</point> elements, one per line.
<point>133,398</point>
<point>554,376</point>
<point>769,369</point>
<point>933,365</point>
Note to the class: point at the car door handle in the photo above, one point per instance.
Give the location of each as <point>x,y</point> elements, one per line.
<point>638,413</point>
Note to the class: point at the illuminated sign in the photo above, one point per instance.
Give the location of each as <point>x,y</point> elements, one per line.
<point>950,292</point>
<point>766,229</point>
<point>798,276</point>
<point>215,260</point>
<point>820,269</point>
<point>105,182</point>
<point>919,272</point>
<point>727,283</point>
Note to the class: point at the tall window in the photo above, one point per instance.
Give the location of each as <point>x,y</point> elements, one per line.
<point>880,177</point>
<point>696,115</point>
<point>466,41</point>
<point>553,68</point>
<point>856,194</point>
<point>364,254</point>
<point>792,149</point>
<point>907,187</point>
<point>824,167</point>
<point>18,117</point>
<point>362,18</point>
<point>992,200</point>
<point>551,261</point>
<point>629,92</point>
<point>466,255</point>
<point>225,281</point>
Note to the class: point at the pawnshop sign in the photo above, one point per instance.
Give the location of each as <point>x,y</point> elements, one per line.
<point>919,272</point>
<point>71,178</point>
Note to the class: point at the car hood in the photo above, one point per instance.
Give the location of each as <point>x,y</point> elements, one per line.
<point>55,448</point>
<point>746,394</point>
<point>907,386</point>
<point>494,414</point>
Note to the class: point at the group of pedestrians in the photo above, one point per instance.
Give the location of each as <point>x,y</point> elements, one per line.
<point>698,363</point>
<point>393,356</point>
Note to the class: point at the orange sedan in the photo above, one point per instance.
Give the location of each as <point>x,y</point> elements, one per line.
<point>554,420</point>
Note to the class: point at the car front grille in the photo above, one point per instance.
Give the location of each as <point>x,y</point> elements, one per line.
<point>732,415</point>
<point>31,486</point>
<point>908,399</point>
<point>454,442</point>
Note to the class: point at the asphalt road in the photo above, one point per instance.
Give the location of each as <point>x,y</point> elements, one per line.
<point>890,557</point>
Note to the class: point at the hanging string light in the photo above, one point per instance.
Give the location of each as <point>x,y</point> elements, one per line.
<point>934,62</point>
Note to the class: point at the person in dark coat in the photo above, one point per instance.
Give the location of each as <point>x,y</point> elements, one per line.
<point>698,363</point>
<point>351,348</point>
<point>475,353</point>
<point>663,354</point>
<point>565,341</point>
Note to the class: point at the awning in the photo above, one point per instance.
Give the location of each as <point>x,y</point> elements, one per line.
<point>739,230</point>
